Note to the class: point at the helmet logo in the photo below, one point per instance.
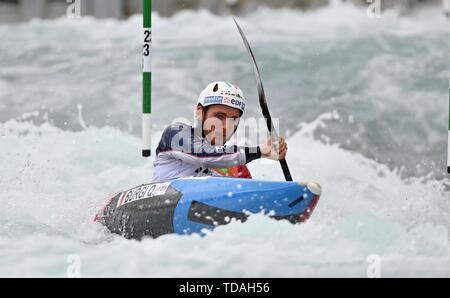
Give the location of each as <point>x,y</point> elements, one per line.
<point>213,100</point>
<point>229,93</point>
<point>238,103</point>
<point>222,93</point>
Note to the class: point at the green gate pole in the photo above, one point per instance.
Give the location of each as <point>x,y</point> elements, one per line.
<point>147,78</point>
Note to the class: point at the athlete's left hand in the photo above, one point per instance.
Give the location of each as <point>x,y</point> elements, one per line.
<point>282,148</point>
<point>273,151</point>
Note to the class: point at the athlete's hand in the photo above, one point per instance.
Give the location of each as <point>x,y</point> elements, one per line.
<point>274,151</point>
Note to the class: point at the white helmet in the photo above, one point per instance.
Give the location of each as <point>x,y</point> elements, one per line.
<point>221,93</point>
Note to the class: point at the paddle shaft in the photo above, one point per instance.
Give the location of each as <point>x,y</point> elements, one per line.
<point>263,101</point>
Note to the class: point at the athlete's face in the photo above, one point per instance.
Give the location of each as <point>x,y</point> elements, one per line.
<point>220,123</point>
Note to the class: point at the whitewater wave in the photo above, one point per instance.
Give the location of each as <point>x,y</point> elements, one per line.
<point>54,181</point>
<point>389,75</point>
<point>363,102</point>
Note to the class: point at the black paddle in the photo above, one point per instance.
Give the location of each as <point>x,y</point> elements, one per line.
<point>263,101</point>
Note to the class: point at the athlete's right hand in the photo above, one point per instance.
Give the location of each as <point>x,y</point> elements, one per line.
<point>272,151</point>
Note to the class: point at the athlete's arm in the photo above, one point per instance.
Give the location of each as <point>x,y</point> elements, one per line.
<point>180,142</point>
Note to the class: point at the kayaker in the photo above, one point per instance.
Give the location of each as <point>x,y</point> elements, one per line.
<point>200,150</point>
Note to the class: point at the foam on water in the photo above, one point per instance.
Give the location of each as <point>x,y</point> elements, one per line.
<point>364,103</point>
<point>54,181</point>
<point>389,75</point>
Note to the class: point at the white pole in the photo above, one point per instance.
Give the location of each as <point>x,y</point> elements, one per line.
<point>448,144</point>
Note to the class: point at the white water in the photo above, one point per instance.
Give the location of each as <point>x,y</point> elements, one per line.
<point>52,187</point>
<point>53,178</point>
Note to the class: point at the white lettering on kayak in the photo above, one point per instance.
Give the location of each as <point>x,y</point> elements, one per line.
<point>142,192</point>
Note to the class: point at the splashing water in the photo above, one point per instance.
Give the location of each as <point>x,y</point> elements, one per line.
<point>352,92</point>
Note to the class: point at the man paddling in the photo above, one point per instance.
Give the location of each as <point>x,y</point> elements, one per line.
<point>200,150</point>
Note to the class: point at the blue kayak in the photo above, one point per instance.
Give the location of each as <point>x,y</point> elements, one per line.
<point>190,205</point>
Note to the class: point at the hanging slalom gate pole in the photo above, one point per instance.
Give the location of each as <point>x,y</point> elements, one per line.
<point>147,79</point>
<point>448,146</point>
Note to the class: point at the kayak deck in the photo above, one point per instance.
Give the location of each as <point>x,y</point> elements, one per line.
<point>190,205</point>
